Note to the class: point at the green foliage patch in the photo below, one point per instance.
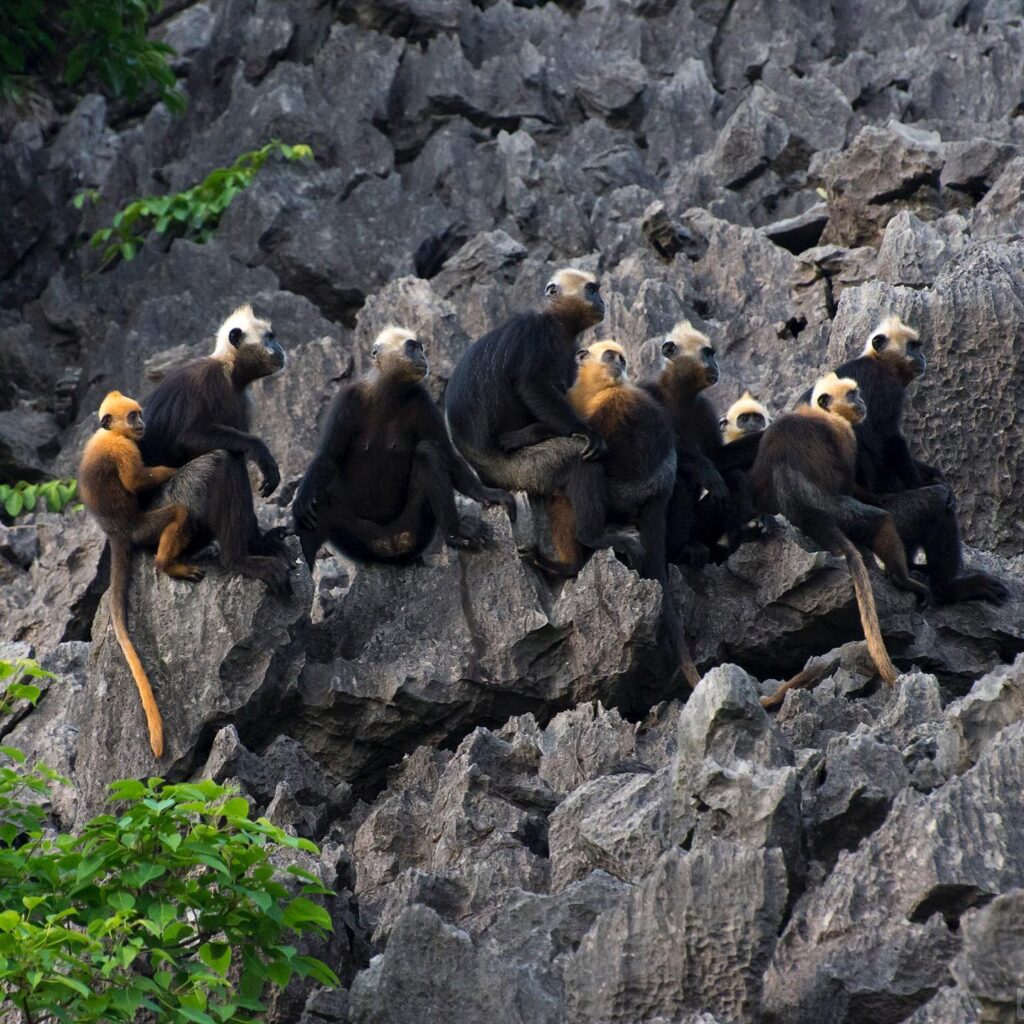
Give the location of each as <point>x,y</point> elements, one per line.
<point>52,495</point>
<point>172,903</point>
<point>105,39</point>
<point>194,213</point>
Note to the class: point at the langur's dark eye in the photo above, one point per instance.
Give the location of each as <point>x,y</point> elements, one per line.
<point>668,348</point>
<point>591,288</point>
<point>824,401</point>
<point>551,289</point>
<point>878,342</point>
<point>235,336</point>
<point>374,352</point>
<point>269,336</point>
<point>707,351</point>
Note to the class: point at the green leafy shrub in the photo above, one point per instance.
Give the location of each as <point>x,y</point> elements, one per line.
<point>102,38</point>
<point>53,495</point>
<point>18,817</point>
<point>171,905</point>
<point>194,213</point>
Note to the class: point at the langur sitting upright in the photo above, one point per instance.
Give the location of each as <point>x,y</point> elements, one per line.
<point>384,476</point>
<point>110,478</point>
<point>631,485</point>
<point>506,399</point>
<point>199,417</point>
<point>700,499</point>
<point>806,471</point>
<point>915,493</point>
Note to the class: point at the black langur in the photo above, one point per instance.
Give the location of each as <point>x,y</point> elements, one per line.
<point>506,400</point>
<point>914,492</point>
<point>110,477</point>
<point>806,470</point>
<point>384,476</point>
<point>694,517</point>
<point>631,485</point>
<point>742,426</point>
<point>204,408</point>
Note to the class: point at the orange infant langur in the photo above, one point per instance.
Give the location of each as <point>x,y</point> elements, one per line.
<point>110,477</point>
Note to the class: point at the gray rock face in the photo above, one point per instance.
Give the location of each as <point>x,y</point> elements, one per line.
<point>933,858</point>
<point>693,915</point>
<point>225,658</point>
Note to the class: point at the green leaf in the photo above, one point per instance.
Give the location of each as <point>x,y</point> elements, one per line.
<point>14,504</point>
<point>237,807</point>
<point>71,983</point>
<point>122,901</point>
<point>24,691</point>
<point>216,956</point>
<point>189,1013</point>
<point>311,967</point>
<point>126,789</point>
<point>302,912</point>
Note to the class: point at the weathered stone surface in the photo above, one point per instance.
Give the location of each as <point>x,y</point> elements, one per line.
<point>232,657</point>
<point>933,858</point>
<point>991,964</point>
<point>692,915</point>
<point>884,170</point>
<point>401,664</point>
<point>54,598</point>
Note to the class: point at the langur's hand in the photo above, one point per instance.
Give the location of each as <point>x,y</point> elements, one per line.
<point>268,470</point>
<point>496,496</point>
<point>596,447</point>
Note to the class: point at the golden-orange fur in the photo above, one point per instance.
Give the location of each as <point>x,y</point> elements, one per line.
<point>602,393</point>
<point>111,475</point>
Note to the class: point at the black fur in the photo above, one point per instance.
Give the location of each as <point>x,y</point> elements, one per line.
<point>740,521</point>
<point>630,486</point>
<point>804,472</point>
<point>694,523</point>
<point>198,410</point>
<point>885,466</point>
<point>884,462</point>
<point>384,476</point>
<point>507,408</point>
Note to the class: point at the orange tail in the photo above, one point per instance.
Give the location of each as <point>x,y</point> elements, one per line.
<point>868,613</point>
<point>119,560</point>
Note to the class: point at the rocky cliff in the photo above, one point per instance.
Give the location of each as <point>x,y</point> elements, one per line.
<point>524,824</point>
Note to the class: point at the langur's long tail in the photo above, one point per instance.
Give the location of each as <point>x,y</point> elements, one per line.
<point>120,555</point>
<point>868,611</point>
